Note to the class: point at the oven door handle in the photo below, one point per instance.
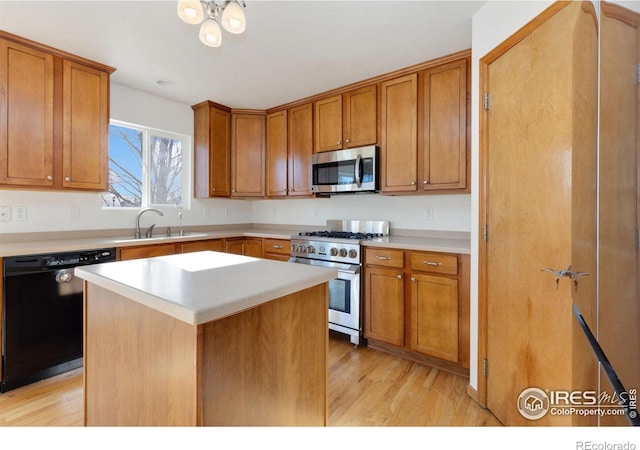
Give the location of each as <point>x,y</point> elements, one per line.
<point>358,170</point>
<point>352,269</point>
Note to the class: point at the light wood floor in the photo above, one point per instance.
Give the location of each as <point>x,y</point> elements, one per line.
<point>366,388</point>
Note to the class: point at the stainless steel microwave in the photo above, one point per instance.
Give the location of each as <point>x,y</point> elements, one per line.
<point>342,171</point>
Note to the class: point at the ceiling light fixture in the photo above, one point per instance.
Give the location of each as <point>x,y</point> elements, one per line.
<point>231,15</point>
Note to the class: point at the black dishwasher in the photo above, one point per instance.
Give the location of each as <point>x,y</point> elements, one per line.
<point>42,315</point>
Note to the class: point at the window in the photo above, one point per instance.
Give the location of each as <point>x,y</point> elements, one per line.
<point>145,167</point>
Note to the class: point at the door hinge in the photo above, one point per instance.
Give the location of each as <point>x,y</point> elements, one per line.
<point>486,100</point>
<point>485,232</point>
<point>485,367</point>
<point>637,73</point>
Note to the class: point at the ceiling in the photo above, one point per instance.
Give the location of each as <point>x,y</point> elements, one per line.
<point>290,50</point>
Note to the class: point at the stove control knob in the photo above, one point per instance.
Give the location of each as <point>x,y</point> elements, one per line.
<point>343,252</point>
<point>353,253</point>
<point>310,249</point>
<point>333,251</point>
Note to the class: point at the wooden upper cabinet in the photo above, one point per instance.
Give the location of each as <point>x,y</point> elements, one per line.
<point>85,127</point>
<point>248,164</point>
<point>300,137</point>
<point>26,115</point>
<point>328,124</point>
<point>399,137</point>
<point>277,162</point>
<point>443,127</point>
<point>212,150</point>
<point>347,120</point>
<point>54,118</point>
<point>360,117</point>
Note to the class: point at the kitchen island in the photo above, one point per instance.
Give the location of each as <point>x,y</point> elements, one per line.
<point>205,338</point>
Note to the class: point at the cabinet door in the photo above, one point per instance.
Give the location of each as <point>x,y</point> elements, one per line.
<point>234,246</point>
<point>399,151</point>
<point>434,316</point>
<point>147,251</point>
<point>248,155</point>
<point>360,114</point>
<point>444,127</point>
<point>26,116</point>
<point>85,127</point>
<point>300,150</point>
<point>212,151</point>
<point>384,305</point>
<point>216,245</point>
<point>253,247</point>
<point>277,165</point>
<point>328,124</point>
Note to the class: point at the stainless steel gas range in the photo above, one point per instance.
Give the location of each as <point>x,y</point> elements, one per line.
<point>339,247</point>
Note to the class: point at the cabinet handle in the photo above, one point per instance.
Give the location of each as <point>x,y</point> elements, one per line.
<point>384,258</point>
<point>399,277</point>
<point>278,246</point>
<point>432,263</point>
<point>49,177</point>
<point>67,178</point>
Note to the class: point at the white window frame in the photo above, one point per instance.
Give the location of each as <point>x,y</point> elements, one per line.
<point>186,172</point>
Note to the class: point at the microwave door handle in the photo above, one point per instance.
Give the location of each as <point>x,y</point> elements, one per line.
<point>358,170</point>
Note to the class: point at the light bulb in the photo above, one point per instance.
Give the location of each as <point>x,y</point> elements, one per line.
<point>190,11</point>
<point>233,19</point>
<point>210,33</point>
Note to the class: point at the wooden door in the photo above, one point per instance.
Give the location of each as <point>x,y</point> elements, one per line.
<point>384,305</point>
<point>360,117</point>
<point>26,116</point>
<point>434,316</point>
<point>85,127</point>
<point>539,169</point>
<point>328,124</point>
<point>399,140</point>
<point>443,135</point>
<point>277,154</point>
<point>618,269</point>
<point>248,155</point>
<point>300,137</point>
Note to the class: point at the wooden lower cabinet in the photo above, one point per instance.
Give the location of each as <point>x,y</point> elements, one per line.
<point>416,304</point>
<point>145,251</point>
<point>244,246</point>
<point>384,305</point>
<point>216,245</point>
<point>278,249</point>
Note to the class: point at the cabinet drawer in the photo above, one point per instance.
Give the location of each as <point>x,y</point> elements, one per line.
<point>278,246</point>
<point>384,257</point>
<point>434,262</point>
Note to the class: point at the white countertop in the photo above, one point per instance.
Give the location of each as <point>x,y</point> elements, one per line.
<point>203,286</point>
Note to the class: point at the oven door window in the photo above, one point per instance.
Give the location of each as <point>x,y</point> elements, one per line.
<point>340,295</point>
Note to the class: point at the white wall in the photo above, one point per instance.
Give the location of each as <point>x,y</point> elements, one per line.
<point>492,24</point>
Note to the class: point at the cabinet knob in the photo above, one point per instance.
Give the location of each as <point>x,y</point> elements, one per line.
<point>67,178</point>
<point>413,183</point>
<point>213,189</point>
<point>233,190</point>
<point>339,142</point>
<point>399,277</point>
<point>347,140</point>
<point>413,279</point>
<point>425,182</point>
<point>49,177</point>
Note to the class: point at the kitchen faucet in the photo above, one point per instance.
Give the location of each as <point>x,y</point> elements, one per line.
<point>150,230</point>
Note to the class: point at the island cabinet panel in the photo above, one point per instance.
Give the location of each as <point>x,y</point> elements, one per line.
<point>248,155</point>
<point>138,363</point>
<point>266,366</point>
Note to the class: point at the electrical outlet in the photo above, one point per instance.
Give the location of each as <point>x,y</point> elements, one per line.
<point>20,213</point>
<point>5,213</point>
<point>75,214</point>
<point>429,213</point>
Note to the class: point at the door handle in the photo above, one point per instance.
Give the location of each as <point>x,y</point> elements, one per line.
<point>358,170</point>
